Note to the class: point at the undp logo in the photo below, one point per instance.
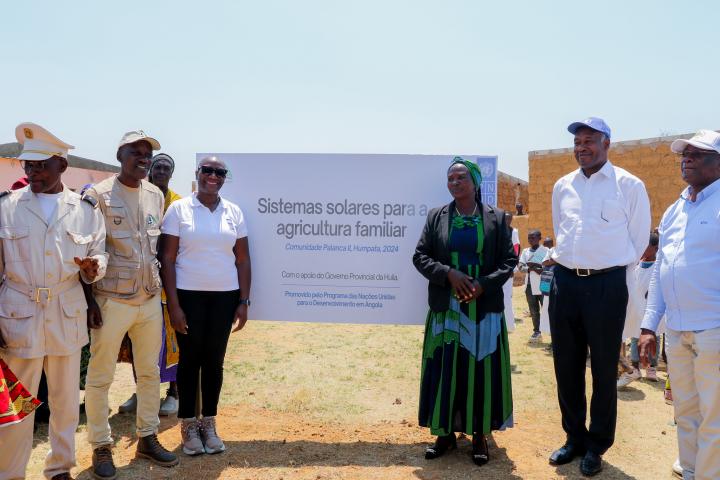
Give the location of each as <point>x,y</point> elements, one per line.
<point>486,168</point>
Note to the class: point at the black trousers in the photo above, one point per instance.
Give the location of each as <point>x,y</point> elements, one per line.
<point>534,304</point>
<point>587,312</point>
<point>209,317</point>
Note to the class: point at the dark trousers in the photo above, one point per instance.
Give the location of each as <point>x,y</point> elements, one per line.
<point>534,304</point>
<point>209,317</point>
<point>587,312</point>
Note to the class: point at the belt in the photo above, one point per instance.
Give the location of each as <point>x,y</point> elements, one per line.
<point>42,295</point>
<point>587,272</point>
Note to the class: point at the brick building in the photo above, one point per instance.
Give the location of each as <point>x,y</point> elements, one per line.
<point>510,191</point>
<point>649,159</point>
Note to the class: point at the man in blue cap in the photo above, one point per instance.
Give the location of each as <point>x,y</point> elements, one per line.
<point>601,217</point>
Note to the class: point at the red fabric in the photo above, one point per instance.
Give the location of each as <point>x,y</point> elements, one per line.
<point>23,182</point>
<point>16,402</point>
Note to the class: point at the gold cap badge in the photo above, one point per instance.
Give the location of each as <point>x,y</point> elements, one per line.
<point>28,133</point>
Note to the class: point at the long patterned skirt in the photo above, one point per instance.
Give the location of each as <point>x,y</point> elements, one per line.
<point>465,382</point>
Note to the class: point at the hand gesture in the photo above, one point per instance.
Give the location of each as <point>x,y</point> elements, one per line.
<point>177,319</point>
<point>462,284</point>
<point>647,344</point>
<point>240,317</point>
<point>94,316</point>
<point>89,266</point>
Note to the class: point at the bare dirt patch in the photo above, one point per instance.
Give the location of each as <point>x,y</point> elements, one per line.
<point>333,401</point>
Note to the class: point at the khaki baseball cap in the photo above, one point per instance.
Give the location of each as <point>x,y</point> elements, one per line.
<point>136,136</point>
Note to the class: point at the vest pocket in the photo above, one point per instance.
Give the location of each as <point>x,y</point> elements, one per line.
<point>119,280</point>
<point>16,242</point>
<point>122,243</point>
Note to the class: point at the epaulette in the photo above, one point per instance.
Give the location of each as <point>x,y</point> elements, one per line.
<point>91,200</point>
<point>5,193</point>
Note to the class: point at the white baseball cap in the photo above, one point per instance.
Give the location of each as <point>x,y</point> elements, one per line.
<point>703,139</point>
<point>39,144</point>
<point>136,136</point>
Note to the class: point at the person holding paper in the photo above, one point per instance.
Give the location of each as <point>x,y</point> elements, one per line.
<point>531,263</point>
<point>466,253</point>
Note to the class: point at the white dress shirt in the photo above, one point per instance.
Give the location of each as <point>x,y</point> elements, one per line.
<point>602,221</point>
<point>684,284</point>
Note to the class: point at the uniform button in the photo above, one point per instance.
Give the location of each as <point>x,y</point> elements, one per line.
<point>12,314</point>
<point>49,275</point>
<point>48,252</point>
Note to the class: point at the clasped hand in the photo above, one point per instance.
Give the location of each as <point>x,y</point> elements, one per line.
<point>466,287</point>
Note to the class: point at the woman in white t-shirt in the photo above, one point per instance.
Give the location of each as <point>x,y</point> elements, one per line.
<point>206,275</point>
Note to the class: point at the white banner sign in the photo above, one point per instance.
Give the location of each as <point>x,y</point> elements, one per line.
<point>332,235</point>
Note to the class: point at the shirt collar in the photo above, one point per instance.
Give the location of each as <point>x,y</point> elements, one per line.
<point>194,202</point>
<point>607,170</point>
<point>703,194</point>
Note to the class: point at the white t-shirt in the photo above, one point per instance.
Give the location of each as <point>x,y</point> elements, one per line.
<point>48,203</point>
<point>528,256</point>
<point>205,259</point>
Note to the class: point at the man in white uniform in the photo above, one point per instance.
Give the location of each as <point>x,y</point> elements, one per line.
<point>48,235</point>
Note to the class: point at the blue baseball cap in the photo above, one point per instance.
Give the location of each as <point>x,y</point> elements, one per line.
<point>597,124</point>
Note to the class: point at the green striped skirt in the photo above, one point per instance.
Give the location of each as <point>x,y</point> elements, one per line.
<point>465,380</point>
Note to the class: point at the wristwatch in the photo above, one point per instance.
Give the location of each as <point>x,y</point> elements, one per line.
<point>245,301</point>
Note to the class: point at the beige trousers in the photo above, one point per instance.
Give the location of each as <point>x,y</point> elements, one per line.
<point>143,323</point>
<point>16,441</point>
<point>693,360</point>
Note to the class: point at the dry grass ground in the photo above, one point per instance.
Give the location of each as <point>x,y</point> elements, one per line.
<point>319,401</point>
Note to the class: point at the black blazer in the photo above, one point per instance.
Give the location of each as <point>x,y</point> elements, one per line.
<point>432,257</point>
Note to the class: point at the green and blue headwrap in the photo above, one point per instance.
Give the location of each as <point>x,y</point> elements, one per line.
<point>472,168</point>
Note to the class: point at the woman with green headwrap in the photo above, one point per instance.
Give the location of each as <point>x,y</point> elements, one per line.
<point>466,253</point>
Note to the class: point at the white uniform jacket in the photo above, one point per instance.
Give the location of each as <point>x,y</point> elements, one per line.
<point>42,306</point>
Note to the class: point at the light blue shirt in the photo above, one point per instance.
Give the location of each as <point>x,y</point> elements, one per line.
<point>685,284</point>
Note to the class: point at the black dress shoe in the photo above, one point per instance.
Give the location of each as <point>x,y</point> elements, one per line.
<point>480,453</point>
<point>565,454</point>
<point>442,444</point>
<point>591,464</point>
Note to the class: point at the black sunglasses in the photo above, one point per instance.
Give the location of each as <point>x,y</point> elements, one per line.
<point>220,172</point>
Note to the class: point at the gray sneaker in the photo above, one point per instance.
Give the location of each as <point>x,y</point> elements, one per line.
<point>169,406</point>
<point>190,432</point>
<point>210,439</point>
<point>129,406</point>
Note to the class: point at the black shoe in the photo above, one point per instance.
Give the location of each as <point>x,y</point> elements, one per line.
<point>480,454</point>
<point>591,464</point>
<point>62,476</point>
<point>149,447</point>
<point>102,463</point>
<point>442,445</point>
<point>565,454</point>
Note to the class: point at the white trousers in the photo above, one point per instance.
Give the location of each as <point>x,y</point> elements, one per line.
<point>144,325</point>
<point>693,366</point>
<point>509,314</point>
<point>16,441</point>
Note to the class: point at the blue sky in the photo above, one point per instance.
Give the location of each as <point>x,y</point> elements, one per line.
<point>467,77</point>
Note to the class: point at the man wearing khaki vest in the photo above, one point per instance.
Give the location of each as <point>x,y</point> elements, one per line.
<point>129,298</point>
<point>48,234</point>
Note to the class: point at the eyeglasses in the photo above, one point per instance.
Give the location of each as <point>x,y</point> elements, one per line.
<point>37,165</point>
<point>696,155</point>
<point>220,172</point>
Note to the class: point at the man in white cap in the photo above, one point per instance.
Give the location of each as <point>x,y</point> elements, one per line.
<point>48,235</point>
<point>685,288</point>
<point>601,217</point>
<point>129,298</point>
